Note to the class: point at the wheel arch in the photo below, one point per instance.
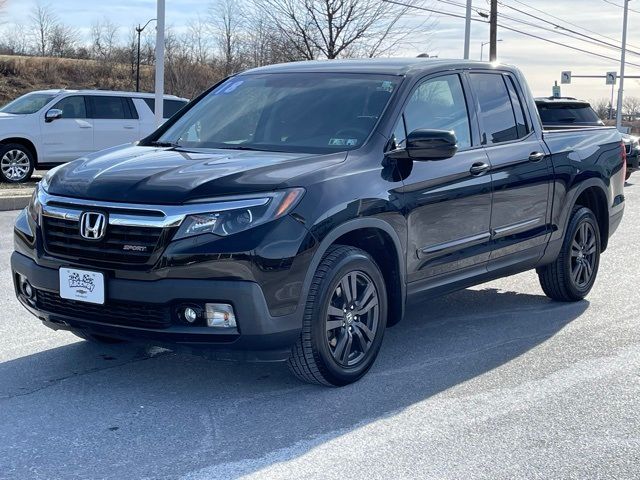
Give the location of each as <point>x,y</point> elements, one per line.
<point>22,141</point>
<point>379,239</point>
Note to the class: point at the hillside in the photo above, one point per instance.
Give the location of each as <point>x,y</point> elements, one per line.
<point>19,75</point>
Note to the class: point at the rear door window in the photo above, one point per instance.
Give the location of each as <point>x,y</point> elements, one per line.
<point>494,108</point>
<point>110,108</point>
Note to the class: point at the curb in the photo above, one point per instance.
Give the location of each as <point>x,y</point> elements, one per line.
<point>14,203</point>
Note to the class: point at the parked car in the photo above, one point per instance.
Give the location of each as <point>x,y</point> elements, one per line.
<point>290,211</point>
<point>632,148</point>
<point>567,112</point>
<point>50,127</point>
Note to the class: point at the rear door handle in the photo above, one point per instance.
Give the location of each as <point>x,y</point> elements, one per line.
<point>129,127</point>
<point>537,156</point>
<point>479,168</point>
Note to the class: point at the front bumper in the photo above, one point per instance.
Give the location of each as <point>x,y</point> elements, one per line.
<point>259,337</point>
<point>633,163</point>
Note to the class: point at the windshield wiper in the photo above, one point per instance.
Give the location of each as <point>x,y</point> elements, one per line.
<point>157,143</point>
<point>241,147</point>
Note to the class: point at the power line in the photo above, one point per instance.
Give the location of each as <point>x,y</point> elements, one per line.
<point>619,6</point>
<point>452,14</point>
<point>572,33</point>
<point>588,39</point>
<point>566,21</point>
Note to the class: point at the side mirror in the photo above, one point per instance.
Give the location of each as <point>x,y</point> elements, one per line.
<point>425,144</point>
<point>52,115</point>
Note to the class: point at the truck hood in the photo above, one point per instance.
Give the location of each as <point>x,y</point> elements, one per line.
<point>151,175</point>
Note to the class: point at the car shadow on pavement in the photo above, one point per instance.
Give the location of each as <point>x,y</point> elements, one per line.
<point>126,411</point>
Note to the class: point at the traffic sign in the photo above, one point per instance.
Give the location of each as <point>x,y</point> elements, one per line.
<point>611,78</point>
<point>565,77</point>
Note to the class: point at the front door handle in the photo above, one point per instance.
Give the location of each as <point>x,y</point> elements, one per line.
<point>537,156</point>
<point>479,168</point>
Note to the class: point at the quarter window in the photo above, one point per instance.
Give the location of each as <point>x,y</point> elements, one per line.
<point>494,108</point>
<point>72,107</point>
<point>439,104</point>
<point>169,109</point>
<point>518,109</point>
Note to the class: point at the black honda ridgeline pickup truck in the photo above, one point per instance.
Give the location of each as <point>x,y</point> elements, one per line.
<point>290,211</point>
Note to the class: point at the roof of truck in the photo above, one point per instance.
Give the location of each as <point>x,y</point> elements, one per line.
<point>107,93</point>
<point>383,66</point>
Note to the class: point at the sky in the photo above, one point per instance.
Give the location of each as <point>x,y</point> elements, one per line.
<point>541,62</point>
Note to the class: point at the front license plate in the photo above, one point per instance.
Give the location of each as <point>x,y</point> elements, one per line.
<point>82,285</point>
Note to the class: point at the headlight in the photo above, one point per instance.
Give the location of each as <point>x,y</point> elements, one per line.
<point>35,207</point>
<point>234,220</point>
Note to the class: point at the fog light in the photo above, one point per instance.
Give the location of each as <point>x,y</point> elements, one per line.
<point>220,315</point>
<point>190,315</point>
<point>26,287</point>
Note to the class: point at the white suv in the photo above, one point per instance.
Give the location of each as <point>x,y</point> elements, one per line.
<point>50,127</point>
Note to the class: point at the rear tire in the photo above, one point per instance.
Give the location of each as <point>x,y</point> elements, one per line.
<point>572,275</point>
<point>344,319</point>
<point>16,163</point>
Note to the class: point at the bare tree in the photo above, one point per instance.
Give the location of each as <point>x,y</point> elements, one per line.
<point>104,39</point>
<point>631,107</point>
<point>339,28</point>
<point>43,21</point>
<point>15,40</point>
<point>62,41</point>
<point>263,43</point>
<point>602,107</point>
<point>198,41</point>
<point>227,19</point>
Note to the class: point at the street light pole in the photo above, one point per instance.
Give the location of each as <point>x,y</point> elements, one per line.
<point>159,103</point>
<point>140,29</point>
<point>482,47</point>
<point>467,30</point>
<point>622,62</point>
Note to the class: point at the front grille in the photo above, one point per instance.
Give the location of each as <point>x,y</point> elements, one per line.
<point>144,315</point>
<point>121,244</point>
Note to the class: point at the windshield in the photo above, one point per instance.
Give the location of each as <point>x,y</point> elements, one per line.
<point>29,103</point>
<point>568,114</point>
<point>292,112</point>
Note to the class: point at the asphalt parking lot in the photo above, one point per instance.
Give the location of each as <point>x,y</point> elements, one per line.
<point>494,382</point>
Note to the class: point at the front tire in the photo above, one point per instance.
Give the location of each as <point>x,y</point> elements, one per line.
<point>16,163</point>
<point>344,319</point>
<point>572,275</point>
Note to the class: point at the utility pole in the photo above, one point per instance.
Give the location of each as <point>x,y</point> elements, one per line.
<point>622,61</point>
<point>159,107</point>
<point>467,30</point>
<point>493,31</point>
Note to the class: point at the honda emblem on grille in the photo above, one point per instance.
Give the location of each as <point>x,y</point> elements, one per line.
<point>93,225</point>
